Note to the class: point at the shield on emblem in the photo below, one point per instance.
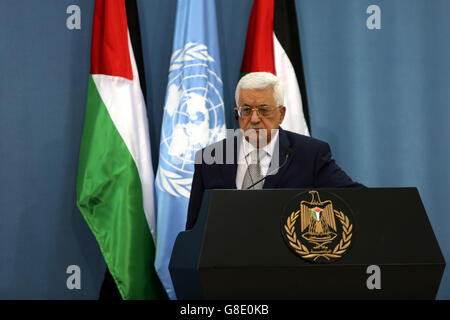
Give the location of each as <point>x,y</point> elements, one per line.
<point>317,212</point>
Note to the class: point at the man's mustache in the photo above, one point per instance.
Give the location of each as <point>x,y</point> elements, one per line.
<point>256,129</point>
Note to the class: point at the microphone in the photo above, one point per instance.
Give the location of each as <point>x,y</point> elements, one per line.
<point>288,153</point>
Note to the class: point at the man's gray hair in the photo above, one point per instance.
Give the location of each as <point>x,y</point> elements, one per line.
<point>261,81</point>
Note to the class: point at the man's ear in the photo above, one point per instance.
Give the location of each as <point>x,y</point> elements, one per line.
<point>236,115</point>
<point>282,113</point>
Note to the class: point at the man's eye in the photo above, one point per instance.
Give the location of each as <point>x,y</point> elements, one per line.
<point>247,110</point>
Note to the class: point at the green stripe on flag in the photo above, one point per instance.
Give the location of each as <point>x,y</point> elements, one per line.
<point>242,74</point>
<point>109,195</point>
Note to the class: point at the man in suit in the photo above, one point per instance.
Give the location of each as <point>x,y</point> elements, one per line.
<point>262,154</point>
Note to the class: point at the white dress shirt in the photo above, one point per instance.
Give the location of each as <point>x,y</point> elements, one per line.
<point>244,158</point>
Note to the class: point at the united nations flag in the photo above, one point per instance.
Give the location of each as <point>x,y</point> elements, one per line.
<point>194,117</point>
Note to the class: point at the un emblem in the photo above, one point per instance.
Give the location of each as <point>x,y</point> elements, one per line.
<point>315,230</point>
<point>193,116</point>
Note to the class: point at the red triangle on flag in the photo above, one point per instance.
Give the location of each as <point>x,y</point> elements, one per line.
<point>109,50</point>
<point>258,55</point>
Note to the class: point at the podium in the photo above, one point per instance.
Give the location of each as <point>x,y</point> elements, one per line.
<point>236,249</point>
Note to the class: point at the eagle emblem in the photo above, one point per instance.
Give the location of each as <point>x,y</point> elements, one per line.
<point>318,218</point>
<point>317,231</point>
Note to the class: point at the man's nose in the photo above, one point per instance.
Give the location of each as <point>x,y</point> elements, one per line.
<point>255,116</point>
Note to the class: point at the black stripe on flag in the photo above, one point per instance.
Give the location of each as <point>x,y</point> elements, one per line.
<point>286,30</point>
<point>135,36</point>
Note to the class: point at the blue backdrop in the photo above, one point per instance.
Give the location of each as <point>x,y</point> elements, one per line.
<point>379,97</point>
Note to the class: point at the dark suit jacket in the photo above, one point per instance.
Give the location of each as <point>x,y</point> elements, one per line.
<point>309,165</point>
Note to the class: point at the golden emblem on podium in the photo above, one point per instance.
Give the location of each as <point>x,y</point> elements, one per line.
<point>317,231</point>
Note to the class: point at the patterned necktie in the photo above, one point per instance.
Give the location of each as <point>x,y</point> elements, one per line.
<point>253,172</point>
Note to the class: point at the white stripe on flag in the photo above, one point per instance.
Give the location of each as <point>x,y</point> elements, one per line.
<point>294,119</point>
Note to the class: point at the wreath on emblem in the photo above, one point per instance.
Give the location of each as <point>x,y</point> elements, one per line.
<point>304,252</point>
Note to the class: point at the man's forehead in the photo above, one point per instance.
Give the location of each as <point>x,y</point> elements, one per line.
<point>256,93</point>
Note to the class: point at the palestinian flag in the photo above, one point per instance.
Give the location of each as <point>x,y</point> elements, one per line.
<point>273,45</point>
<point>115,174</point>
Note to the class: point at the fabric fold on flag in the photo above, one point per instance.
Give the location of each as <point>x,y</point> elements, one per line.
<point>193,118</point>
<point>115,190</point>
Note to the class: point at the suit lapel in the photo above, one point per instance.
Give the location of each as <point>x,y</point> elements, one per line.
<point>272,181</point>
